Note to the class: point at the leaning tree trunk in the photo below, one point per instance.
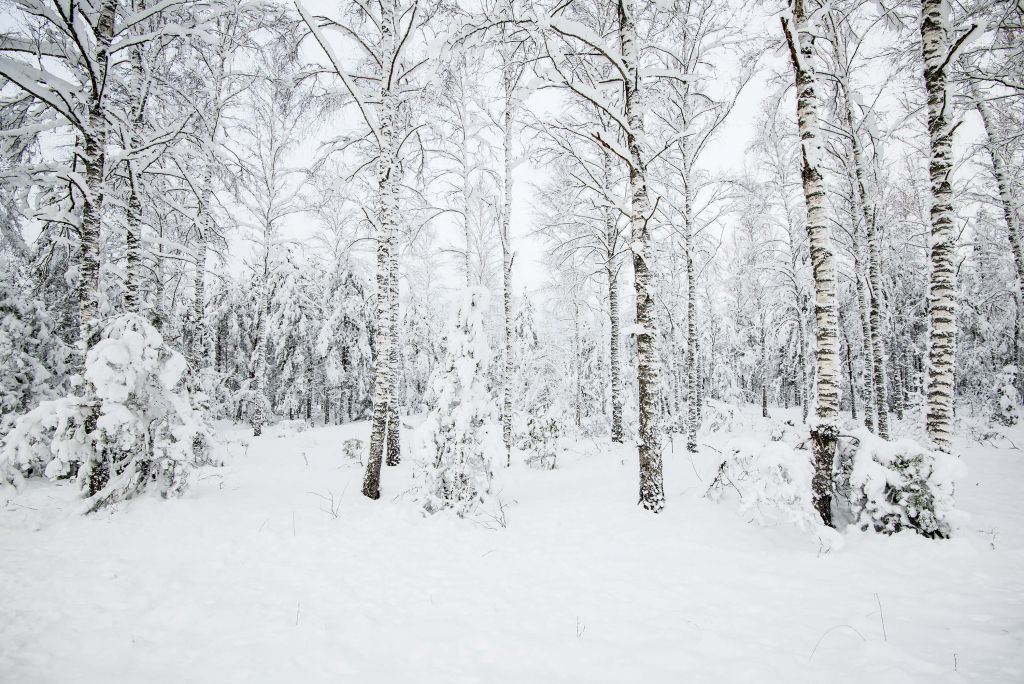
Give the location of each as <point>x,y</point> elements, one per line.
<point>873,339</point>
<point>652,485</point>
<point>935,32</point>
<point>387,221</point>
<point>1006,199</point>
<point>825,428</point>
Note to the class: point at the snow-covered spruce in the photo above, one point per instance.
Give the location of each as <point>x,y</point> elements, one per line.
<point>900,485</point>
<point>145,424</point>
<point>462,430</point>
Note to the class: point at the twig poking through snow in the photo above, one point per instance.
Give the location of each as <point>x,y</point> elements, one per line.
<point>881,617</point>
<point>829,631</point>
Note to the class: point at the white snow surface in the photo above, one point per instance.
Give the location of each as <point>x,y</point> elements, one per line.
<point>252,578</point>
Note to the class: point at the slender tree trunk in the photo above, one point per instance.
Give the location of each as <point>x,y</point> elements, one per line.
<point>133,245</point>
<point>259,415</point>
<point>1010,212</point>
<point>94,140</point>
<point>133,233</point>
<point>506,265</point>
<point>825,430</point>
<point>692,367</point>
<point>616,361</point>
<point>394,450</point>
<point>652,486</point>
<point>935,37</point>
<point>577,367</point>
<point>387,218</point>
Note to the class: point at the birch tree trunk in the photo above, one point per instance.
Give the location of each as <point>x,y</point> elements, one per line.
<point>94,139</point>
<point>394,448</point>
<point>652,486</point>
<point>935,37</point>
<point>692,367</point>
<point>873,338</point>
<point>133,233</point>
<point>864,317</point>
<point>506,264</point>
<point>1010,212</point>
<point>259,414</point>
<point>387,217</point>
<point>615,354</point>
<point>824,429</point>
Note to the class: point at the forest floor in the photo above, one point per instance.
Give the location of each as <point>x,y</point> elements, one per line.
<point>256,576</point>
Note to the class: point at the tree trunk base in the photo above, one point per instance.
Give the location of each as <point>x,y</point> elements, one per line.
<point>823,445</point>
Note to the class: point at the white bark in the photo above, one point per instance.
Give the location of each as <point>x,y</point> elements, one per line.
<point>935,37</point>
<point>825,429</point>
<point>652,486</point>
<point>387,228</point>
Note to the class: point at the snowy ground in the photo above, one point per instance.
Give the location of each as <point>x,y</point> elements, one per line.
<point>252,578</point>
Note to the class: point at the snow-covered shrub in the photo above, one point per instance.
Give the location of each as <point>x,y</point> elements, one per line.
<point>902,485</point>
<point>33,358</point>
<point>771,479</point>
<point>354,448</point>
<point>541,440</point>
<point>135,427</point>
<point>719,416</point>
<point>786,432</point>
<point>1006,405</point>
<point>461,433</point>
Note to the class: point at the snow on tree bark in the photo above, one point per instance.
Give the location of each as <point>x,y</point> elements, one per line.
<point>394,429</point>
<point>652,485</point>
<point>507,258</point>
<point>935,38</point>
<point>387,226</point>
<point>692,341</point>
<point>824,429</point>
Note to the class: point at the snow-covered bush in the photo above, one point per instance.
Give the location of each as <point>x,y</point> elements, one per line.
<point>461,432</point>
<point>771,479</point>
<point>720,416</point>
<point>354,448</point>
<point>1006,405</point>
<point>541,440</point>
<point>785,431</point>
<point>33,358</point>
<point>902,485</point>
<point>134,429</point>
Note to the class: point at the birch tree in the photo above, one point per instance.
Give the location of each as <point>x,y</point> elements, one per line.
<point>383,34</point>
<point>939,52</point>
<point>796,25</point>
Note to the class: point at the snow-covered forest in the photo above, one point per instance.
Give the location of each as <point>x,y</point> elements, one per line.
<point>499,340</point>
